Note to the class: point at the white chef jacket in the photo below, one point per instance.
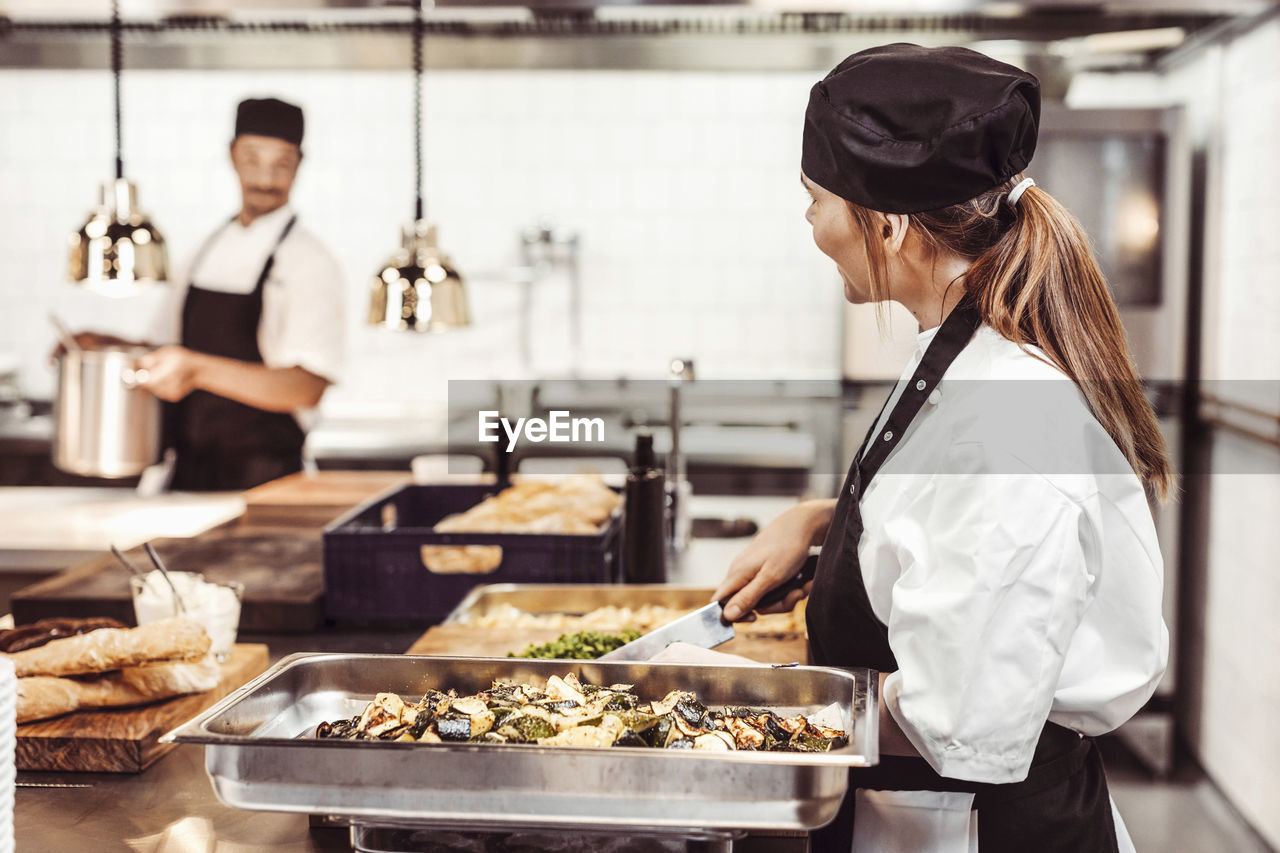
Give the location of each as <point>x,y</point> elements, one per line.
<point>1010,550</point>
<point>302,299</point>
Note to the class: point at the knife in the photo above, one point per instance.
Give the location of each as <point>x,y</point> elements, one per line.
<point>704,627</point>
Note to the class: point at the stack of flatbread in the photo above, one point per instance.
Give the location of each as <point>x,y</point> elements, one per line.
<point>576,504</point>
<point>113,667</point>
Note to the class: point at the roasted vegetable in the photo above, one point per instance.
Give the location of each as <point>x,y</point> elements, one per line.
<point>803,742</point>
<point>621,702</point>
<point>692,712</point>
<point>454,727</point>
<point>629,738</point>
<point>338,729</point>
<point>421,724</point>
<point>746,735</point>
<point>567,712</point>
<point>585,645</point>
<point>501,714</point>
<point>660,733</point>
<point>721,741</point>
<point>529,728</point>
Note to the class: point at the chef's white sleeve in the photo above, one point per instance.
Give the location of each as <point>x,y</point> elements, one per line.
<point>994,583</point>
<point>312,330</point>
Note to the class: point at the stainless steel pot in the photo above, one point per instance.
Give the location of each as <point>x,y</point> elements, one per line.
<point>105,425</point>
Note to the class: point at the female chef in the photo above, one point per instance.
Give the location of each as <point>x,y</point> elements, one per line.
<point>992,552</point>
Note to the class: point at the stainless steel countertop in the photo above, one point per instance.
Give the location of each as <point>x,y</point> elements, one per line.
<point>169,807</point>
<point>57,526</point>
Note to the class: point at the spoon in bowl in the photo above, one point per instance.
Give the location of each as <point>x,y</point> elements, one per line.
<point>159,564</point>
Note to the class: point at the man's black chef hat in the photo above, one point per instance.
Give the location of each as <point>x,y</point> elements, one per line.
<point>904,129</point>
<point>270,117</point>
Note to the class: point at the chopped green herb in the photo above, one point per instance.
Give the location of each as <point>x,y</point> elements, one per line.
<point>585,645</point>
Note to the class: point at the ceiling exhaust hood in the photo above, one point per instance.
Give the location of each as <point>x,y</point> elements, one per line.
<point>679,35</point>
<point>373,10</point>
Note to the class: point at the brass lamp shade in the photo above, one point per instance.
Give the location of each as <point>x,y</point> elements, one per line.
<point>418,289</point>
<point>118,248</point>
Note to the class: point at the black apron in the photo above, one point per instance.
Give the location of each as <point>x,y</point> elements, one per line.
<point>1063,805</point>
<point>222,444</point>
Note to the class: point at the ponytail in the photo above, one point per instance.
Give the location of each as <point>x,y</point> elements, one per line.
<point>1036,282</point>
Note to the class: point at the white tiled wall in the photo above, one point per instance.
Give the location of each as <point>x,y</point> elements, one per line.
<point>683,186</point>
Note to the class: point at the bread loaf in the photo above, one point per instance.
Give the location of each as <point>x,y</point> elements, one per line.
<point>461,559</point>
<point>45,630</point>
<point>168,641</point>
<point>573,505</point>
<point>42,696</point>
<point>576,505</point>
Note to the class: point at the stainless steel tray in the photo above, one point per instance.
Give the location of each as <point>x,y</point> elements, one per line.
<point>574,598</point>
<point>260,753</point>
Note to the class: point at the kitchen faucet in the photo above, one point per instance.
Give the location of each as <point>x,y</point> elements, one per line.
<point>679,524</point>
<point>543,247</point>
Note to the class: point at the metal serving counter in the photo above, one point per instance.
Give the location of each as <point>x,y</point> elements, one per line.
<point>260,755</point>
<point>171,807</point>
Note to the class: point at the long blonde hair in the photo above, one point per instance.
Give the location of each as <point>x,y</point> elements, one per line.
<point>1036,282</point>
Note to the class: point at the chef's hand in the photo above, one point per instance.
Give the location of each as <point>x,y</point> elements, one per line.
<point>171,372</point>
<point>773,557</point>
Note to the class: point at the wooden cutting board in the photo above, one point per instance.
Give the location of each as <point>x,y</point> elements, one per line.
<point>282,573</point>
<point>315,499</point>
<point>472,641</point>
<point>126,740</point>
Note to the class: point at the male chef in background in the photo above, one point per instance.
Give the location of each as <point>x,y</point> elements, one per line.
<point>254,332</point>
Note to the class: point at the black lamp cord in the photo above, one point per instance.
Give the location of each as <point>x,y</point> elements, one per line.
<point>417,106</point>
<point>117,58</point>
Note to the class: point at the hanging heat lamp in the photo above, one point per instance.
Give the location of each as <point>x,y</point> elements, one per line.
<point>118,248</point>
<point>418,289</point>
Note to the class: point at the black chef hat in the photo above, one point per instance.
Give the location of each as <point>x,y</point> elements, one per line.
<point>270,117</point>
<point>904,129</point>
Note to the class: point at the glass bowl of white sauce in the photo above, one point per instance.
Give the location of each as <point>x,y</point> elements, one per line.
<point>216,606</point>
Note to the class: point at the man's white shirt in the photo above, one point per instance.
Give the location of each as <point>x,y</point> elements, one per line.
<point>303,298</point>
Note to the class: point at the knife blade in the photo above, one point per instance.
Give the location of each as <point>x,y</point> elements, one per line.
<point>704,627</point>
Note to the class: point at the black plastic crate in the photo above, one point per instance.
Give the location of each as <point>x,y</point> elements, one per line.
<point>373,569</point>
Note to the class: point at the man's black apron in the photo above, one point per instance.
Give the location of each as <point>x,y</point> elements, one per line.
<point>1063,805</point>
<point>222,444</point>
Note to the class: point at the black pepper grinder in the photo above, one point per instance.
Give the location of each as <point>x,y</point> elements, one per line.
<point>644,553</point>
<point>503,465</point>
